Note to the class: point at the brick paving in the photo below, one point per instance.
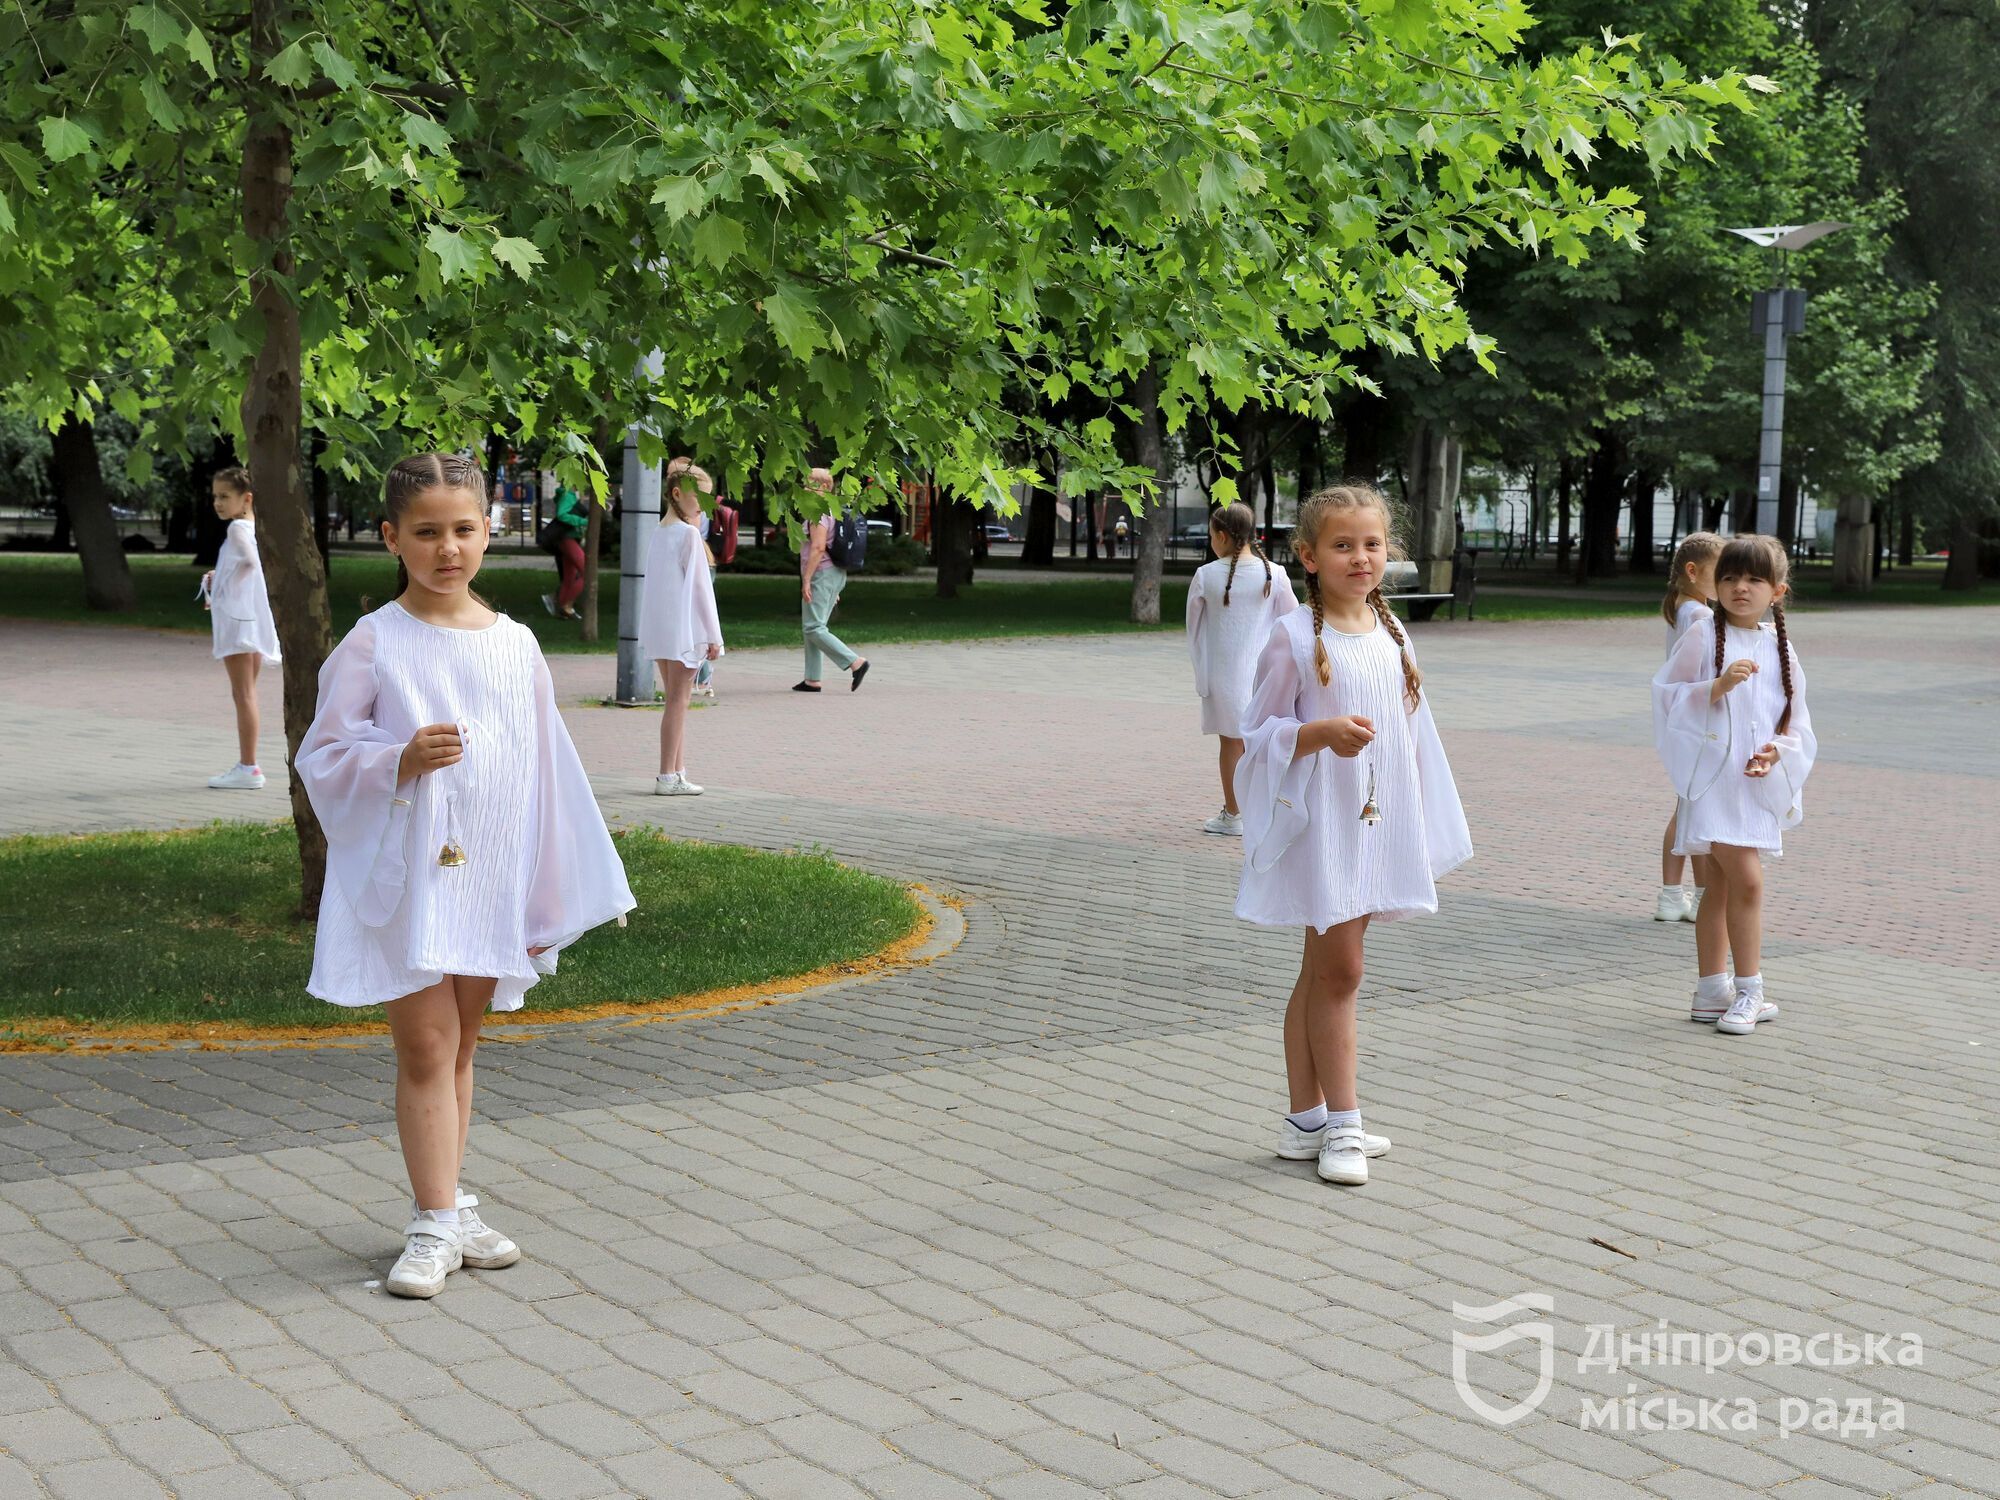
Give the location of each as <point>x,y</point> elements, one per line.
<point>1005,1225</point>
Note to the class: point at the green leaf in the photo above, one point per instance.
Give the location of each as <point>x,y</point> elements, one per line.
<point>424,133</point>
<point>139,463</point>
<point>717,239</point>
<point>161,30</point>
<point>337,68</point>
<point>6,215</point>
<point>23,165</point>
<point>680,196</point>
<point>517,255</point>
<point>291,68</point>
<point>63,138</point>
<point>160,105</point>
<point>198,50</point>
<point>456,255</point>
<point>126,403</point>
<point>793,315</point>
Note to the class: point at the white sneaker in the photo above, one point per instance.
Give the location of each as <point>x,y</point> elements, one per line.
<point>1226,823</point>
<point>1343,1156</point>
<point>238,779</point>
<point>430,1253</point>
<point>1295,1144</point>
<point>675,784</point>
<point>1708,1009</point>
<point>1693,904</point>
<point>482,1247</point>
<point>1749,1008</point>
<point>1672,905</point>
<point>549,604</point>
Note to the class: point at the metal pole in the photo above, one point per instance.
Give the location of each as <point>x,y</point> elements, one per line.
<point>638,504</point>
<point>1772,441</point>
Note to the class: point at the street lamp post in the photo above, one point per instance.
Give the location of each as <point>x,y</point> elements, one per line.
<point>1777,314</point>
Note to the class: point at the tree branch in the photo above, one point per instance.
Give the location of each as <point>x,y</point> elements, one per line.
<point>897,252</point>
<point>430,93</point>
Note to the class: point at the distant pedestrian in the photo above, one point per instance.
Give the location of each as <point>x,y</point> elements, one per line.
<point>239,607</point>
<point>679,628</point>
<point>836,545</point>
<point>563,535</point>
<point>1228,623</point>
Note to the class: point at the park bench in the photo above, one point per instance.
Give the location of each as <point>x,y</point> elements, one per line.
<point>1464,585</point>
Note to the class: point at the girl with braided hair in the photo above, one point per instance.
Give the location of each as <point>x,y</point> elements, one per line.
<point>1690,598</point>
<point>464,848</point>
<point>1228,621</point>
<point>1350,814</point>
<point>1730,722</point>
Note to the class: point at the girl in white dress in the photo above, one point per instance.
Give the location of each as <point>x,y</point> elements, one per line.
<point>1690,596</point>
<point>1349,809</point>
<point>239,612</point>
<point>1738,744</point>
<point>679,628</point>
<point>1226,627</point>
<point>464,847</point>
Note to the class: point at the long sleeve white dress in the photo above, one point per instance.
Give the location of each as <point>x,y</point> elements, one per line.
<point>1308,859</point>
<point>540,869</point>
<point>239,606</point>
<point>1687,614</point>
<point>677,614</point>
<point>1224,639</point>
<point>1705,746</point>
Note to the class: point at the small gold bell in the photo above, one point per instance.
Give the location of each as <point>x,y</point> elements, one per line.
<point>451,855</point>
<point>1370,813</point>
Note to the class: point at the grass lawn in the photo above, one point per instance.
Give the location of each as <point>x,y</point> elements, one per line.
<point>195,927</point>
<point>764,610</point>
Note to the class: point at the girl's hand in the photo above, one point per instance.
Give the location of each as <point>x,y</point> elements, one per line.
<point>714,651</point>
<point>1762,762</point>
<point>1346,738</point>
<point>431,748</point>
<point>1733,676</point>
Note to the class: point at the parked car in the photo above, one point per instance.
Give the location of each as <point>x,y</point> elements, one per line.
<point>881,528</point>
<point>1195,535</point>
<point>995,532</point>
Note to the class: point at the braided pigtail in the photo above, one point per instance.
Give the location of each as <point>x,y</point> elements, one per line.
<point>1721,627</point>
<point>1267,565</point>
<point>1784,664</point>
<point>1322,663</point>
<point>1413,680</point>
<point>1229,582</point>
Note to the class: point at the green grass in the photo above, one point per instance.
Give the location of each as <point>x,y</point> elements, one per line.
<point>196,927</point>
<point>764,610</point>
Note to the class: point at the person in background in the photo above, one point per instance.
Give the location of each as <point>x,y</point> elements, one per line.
<point>563,535</point>
<point>821,579</point>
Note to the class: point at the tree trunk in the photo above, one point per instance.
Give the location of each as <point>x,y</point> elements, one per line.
<point>1644,485</point>
<point>1092,508</point>
<point>952,521</point>
<point>1308,468</point>
<point>1604,481</point>
<point>107,577</point>
<point>322,486</point>
<point>1961,571</point>
<point>271,421</point>
<point>593,546</point>
<point>1432,500</point>
<point>1564,473</point>
<point>1906,534</point>
<point>1712,507</point>
<point>1364,429</point>
<point>1537,517</point>
<point>1853,545</point>
<point>1038,547</point>
<point>1788,509</point>
<point>1149,546</point>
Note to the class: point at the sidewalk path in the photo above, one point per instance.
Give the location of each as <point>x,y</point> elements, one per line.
<point>1006,1225</point>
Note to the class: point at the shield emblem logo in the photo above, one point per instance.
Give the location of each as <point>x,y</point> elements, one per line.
<point>1463,1343</point>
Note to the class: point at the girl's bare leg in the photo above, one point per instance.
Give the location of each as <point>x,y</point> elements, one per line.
<point>425,1028</point>
<point>1330,979</point>
<point>1300,1076</point>
<point>243,669</point>
<point>1670,862</point>
<point>678,683</point>
<point>1711,921</point>
<point>1232,752</point>
<point>472,996</point>
<point>1742,872</point>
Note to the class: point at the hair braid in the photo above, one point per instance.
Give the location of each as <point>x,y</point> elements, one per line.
<point>1413,680</point>
<point>1784,664</point>
<point>1322,663</point>
<point>1267,565</point>
<point>1721,629</point>
<point>1229,582</point>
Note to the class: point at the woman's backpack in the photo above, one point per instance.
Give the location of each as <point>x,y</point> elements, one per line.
<point>847,543</point>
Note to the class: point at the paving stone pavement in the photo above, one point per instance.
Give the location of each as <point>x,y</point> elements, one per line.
<point>1005,1225</point>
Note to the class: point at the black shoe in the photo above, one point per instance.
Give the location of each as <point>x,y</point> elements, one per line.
<point>854,678</point>
<point>804,687</point>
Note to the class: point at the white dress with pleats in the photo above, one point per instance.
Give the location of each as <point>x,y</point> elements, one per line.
<point>239,606</point>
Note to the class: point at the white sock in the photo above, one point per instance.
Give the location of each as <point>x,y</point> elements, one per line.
<point>1713,987</point>
<point>1310,1119</point>
<point>1749,984</point>
<point>1344,1117</point>
<point>1671,890</point>
<point>448,1217</point>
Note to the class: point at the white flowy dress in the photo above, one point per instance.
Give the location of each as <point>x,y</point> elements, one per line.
<point>1308,859</point>
<point>1225,639</point>
<point>239,606</point>
<point>540,869</point>
<point>1687,614</point>
<point>1705,746</point>
<point>677,615</point>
